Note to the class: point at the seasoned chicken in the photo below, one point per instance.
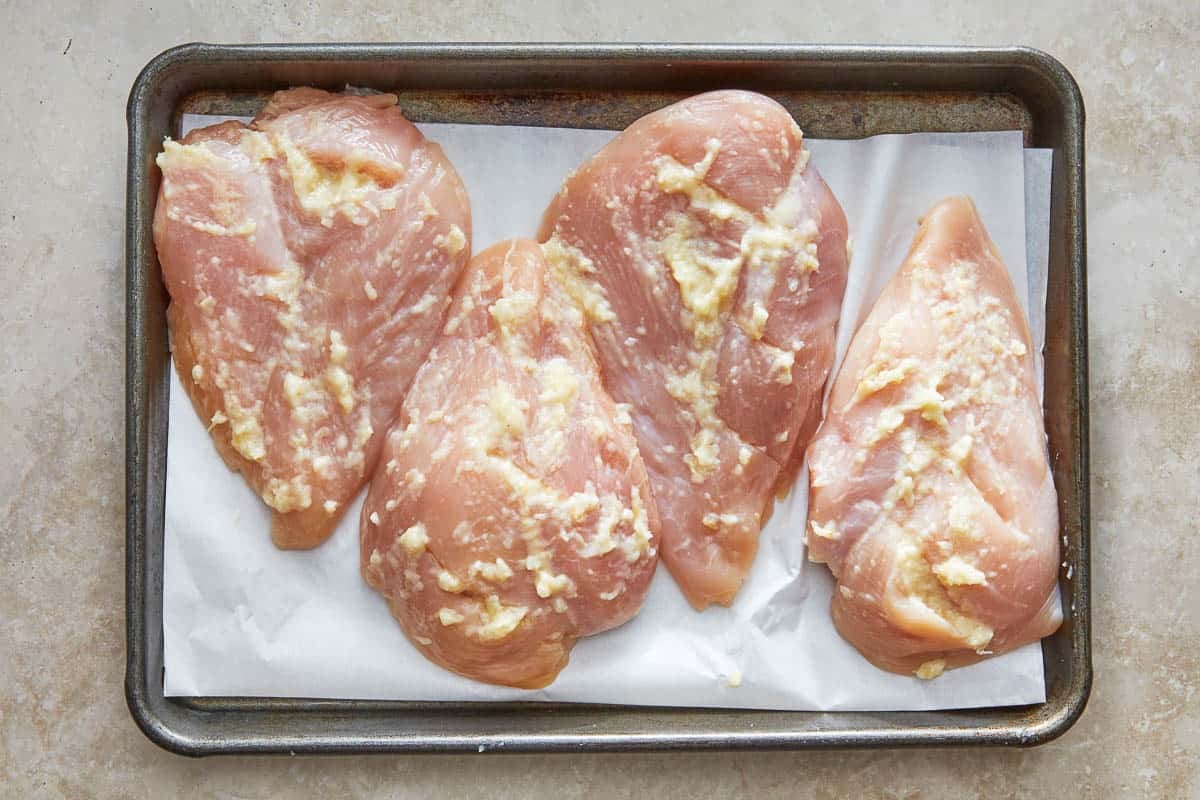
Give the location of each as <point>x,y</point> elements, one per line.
<point>710,259</point>
<point>309,258</point>
<point>931,494</point>
<point>511,513</point>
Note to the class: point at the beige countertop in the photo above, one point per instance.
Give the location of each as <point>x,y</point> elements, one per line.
<point>65,71</point>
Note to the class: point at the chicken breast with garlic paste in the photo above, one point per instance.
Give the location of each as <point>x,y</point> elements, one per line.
<point>309,258</point>
<point>931,494</point>
<point>711,259</point>
<point>511,514</point>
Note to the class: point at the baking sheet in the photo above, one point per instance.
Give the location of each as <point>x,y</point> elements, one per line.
<point>241,618</point>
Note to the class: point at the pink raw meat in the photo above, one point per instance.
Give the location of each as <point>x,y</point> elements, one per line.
<point>309,258</point>
<point>931,494</point>
<point>711,260</point>
<point>511,512</point>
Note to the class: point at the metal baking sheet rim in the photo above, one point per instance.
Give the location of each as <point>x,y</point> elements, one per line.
<point>889,75</point>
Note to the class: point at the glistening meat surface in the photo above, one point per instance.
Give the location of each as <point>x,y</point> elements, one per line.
<point>710,259</point>
<point>931,494</point>
<point>309,258</point>
<point>511,513</point>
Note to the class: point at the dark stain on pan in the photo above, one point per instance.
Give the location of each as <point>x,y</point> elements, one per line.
<point>822,115</point>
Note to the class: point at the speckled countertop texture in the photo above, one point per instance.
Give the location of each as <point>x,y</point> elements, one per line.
<point>65,70</point>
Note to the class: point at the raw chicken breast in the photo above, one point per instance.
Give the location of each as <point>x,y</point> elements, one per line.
<point>309,259</point>
<point>512,514</point>
<point>932,499</point>
<point>711,260</point>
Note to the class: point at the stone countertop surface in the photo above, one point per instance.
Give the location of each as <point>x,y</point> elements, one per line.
<point>65,70</point>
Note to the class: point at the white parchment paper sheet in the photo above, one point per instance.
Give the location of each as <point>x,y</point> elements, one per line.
<point>242,618</point>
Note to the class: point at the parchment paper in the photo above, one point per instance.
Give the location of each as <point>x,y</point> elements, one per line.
<point>242,618</point>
